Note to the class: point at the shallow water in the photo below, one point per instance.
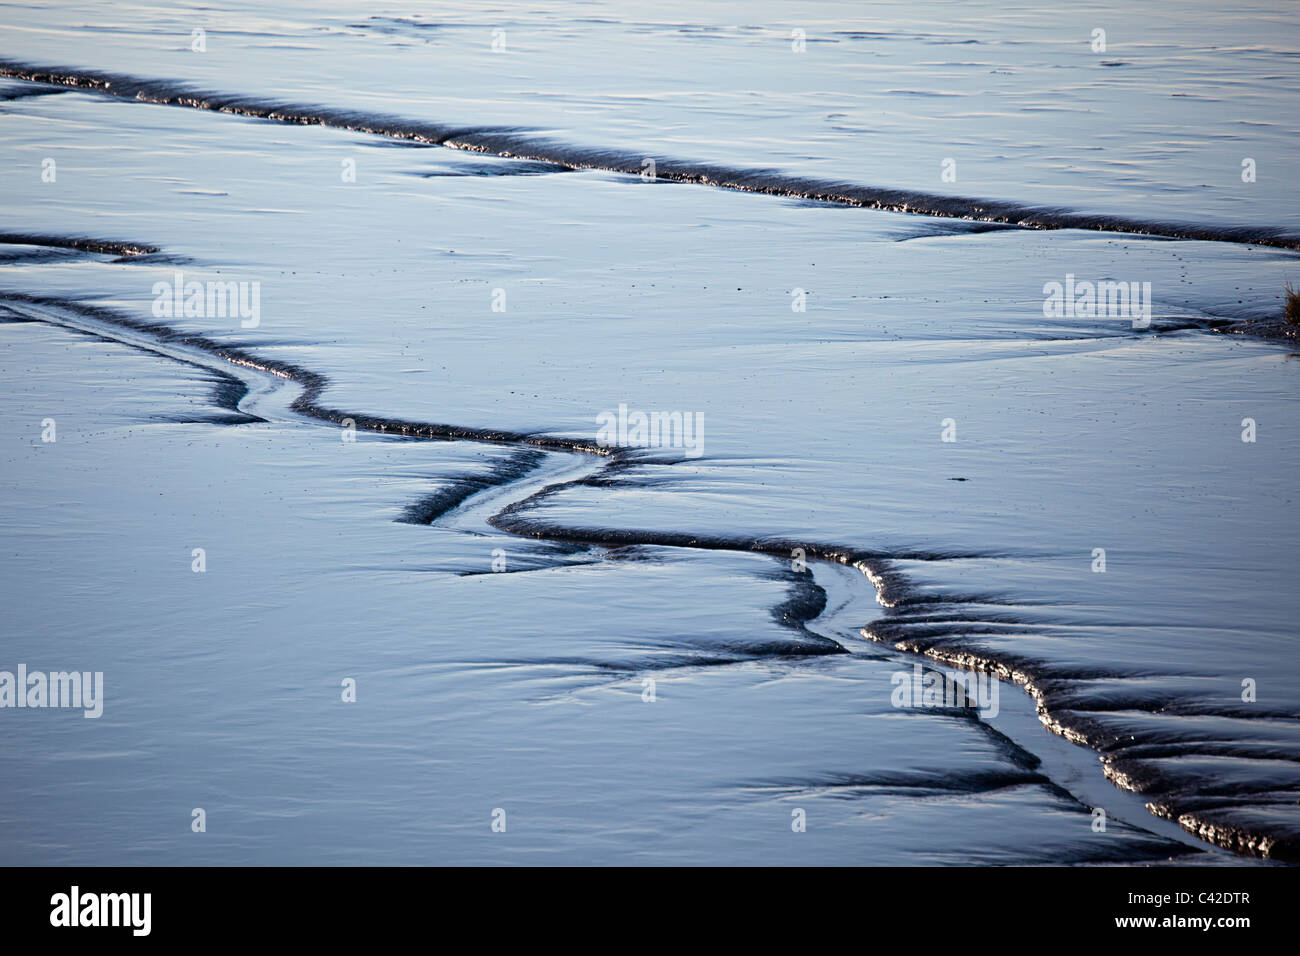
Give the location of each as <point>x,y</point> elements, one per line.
<point>823,431</point>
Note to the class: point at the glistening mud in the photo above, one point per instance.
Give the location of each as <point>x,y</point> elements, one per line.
<point>936,625</point>
<point>363,561</point>
<point>517,144</point>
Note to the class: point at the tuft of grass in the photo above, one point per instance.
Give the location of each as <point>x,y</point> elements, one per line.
<point>1292,310</point>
